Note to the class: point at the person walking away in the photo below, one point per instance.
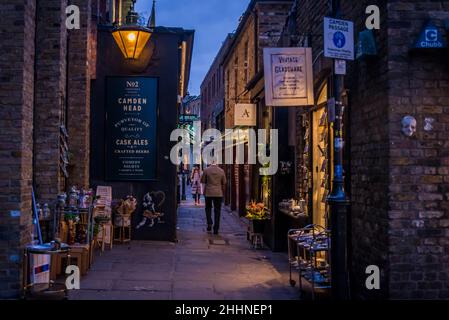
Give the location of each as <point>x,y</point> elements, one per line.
<point>214,180</point>
<point>195,179</point>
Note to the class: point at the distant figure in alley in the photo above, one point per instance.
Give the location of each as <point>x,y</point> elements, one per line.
<point>195,180</point>
<point>214,180</point>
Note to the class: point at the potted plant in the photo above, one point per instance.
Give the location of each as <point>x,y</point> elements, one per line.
<point>257,213</point>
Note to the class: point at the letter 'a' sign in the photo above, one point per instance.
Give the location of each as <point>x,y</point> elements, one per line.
<point>245,115</point>
<point>288,77</point>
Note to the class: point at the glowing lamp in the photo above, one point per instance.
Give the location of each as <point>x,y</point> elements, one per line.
<point>130,37</point>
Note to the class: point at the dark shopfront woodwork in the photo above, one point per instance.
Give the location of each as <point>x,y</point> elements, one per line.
<point>159,62</point>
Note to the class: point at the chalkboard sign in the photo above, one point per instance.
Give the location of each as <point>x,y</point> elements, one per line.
<point>131,128</point>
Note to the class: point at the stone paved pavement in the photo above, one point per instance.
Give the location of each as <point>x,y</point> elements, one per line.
<point>200,267</point>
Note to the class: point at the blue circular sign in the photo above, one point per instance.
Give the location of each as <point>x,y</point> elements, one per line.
<point>339,39</point>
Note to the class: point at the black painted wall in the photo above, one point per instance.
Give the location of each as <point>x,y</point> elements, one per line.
<point>160,59</point>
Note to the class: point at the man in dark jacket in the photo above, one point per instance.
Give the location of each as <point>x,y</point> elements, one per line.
<point>214,180</point>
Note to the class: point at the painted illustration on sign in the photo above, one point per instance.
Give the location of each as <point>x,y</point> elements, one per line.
<point>288,76</point>
<point>152,205</point>
<point>131,128</point>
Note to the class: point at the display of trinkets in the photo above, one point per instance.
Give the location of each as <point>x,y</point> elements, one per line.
<point>85,198</point>
<point>293,207</point>
<point>73,197</point>
<point>124,210</point>
<point>71,232</point>
<point>46,211</point>
<point>62,200</point>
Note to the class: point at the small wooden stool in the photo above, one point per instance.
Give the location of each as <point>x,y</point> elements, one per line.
<point>122,234</point>
<point>100,242</point>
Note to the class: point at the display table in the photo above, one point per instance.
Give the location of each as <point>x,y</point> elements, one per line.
<point>80,256</point>
<point>81,252</point>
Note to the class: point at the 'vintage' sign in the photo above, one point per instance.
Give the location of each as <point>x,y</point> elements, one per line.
<point>131,128</point>
<point>288,77</point>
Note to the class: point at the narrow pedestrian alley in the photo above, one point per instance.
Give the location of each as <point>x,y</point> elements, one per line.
<point>199,267</point>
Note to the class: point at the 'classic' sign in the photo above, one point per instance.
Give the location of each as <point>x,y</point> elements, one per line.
<point>131,128</point>
<point>288,77</point>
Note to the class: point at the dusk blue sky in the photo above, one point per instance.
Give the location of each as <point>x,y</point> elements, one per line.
<point>212,20</point>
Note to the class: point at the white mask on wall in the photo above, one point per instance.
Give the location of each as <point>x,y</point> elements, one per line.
<point>409,126</point>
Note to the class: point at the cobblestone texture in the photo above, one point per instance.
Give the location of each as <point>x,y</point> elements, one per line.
<point>192,269</point>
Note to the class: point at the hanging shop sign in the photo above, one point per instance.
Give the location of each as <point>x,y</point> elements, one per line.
<point>338,39</point>
<point>131,128</point>
<point>187,118</point>
<point>288,77</point>
<point>245,115</point>
<point>430,38</point>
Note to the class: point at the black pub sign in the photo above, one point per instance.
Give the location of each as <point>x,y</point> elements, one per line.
<point>131,128</point>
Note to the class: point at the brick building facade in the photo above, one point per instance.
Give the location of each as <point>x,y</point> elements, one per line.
<point>397,185</point>
<point>44,90</point>
<point>17,29</point>
<point>260,26</point>
<point>213,90</point>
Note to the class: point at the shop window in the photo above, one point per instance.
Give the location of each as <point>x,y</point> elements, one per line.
<point>321,159</point>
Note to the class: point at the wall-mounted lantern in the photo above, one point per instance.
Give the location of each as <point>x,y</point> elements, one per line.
<point>132,38</point>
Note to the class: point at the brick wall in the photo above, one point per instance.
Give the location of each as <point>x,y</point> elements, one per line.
<point>209,106</point>
<point>16,121</point>
<point>51,49</point>
<point>419,166</point>
<point>367,83</point>
<point>398,185</point>
<point>81,56</point>
<point>268,19</point>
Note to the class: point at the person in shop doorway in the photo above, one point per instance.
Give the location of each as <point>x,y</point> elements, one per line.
<point>214,180</point>
<point>195,180</point>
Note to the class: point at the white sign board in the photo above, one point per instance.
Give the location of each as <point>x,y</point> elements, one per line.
<point>288,77</point>
<point>245,115</point>
<point>338,39</point>
<point>340,67</point>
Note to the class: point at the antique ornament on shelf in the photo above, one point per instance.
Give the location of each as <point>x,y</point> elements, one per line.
<point>409,126</point>
<point>73,197</point>
<point>62,198</point>
<point>46,211</point>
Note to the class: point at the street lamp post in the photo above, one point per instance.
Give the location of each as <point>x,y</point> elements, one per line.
<point>338,200</point>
